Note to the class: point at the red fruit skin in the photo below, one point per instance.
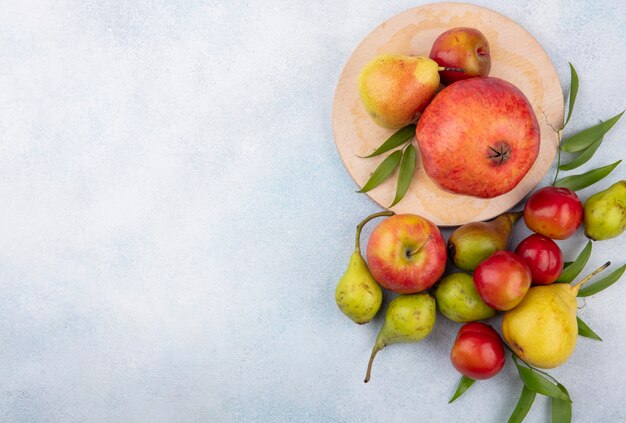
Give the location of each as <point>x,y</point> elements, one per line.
<point>554,212</point>
<point>406,253</point>
<point>463,48</point>
<point>466,128</point>
<point>543,257</point>
<point>478,351</point>
<point>502,280</point>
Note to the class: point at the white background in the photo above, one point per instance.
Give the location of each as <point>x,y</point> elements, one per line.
<point>174,217</point>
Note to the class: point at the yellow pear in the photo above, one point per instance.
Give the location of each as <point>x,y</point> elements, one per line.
<point>542,330</point>
<point>357,294</point>
<point>395,89</point>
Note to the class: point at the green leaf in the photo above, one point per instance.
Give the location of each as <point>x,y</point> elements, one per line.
<point>578,182</point>
<point>584,330</point>
<point>570,272</point>
<point>399,137</point>
<point>603,283</point>
<point>407,167</point>
<point>586,137</point>
<point>522,408</point>
<point>583,157</point>
<point>561,410</point>
<point>383,171</point>
<point>538,383</point>
<point>464,385</point>
<point>573,91</point>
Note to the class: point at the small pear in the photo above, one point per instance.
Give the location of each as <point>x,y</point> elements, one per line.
<point>395,89</point>
<point>605,213</point>
<point>474,242</point>
<point>358,295</point>
<point>409,318</point>
<point>458,299</point>
<point>542,329</point>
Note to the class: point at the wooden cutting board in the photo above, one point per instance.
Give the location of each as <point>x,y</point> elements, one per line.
<point>516,57</point>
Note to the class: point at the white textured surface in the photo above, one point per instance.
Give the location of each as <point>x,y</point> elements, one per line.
<point>175,218</point>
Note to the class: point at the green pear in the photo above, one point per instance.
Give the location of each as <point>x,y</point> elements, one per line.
<point>542,329</point>
<point>409,318</point>
<point>605,213</point>
<point>395,89</point>
<point>358,295</point>
<point>474,242</point>
<point>458,299</point>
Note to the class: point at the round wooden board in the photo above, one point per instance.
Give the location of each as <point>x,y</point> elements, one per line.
<point>516,57</point>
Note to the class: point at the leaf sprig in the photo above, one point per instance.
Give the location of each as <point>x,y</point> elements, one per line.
<point>570,272</point>
<point>464,384</point>
<point>585,330</point>
<point>534,382</point>
<point>584,143</point>
<point>603,283</point>
<point>400,137</point>
<point>538,382</point>
<point>404,158</point>
<point>573,269</point>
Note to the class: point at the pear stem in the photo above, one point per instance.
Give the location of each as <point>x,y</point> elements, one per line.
<point>445,68</point>
<point>377,347</point>
<point>359,227</point>
<point>515,216</point>
<point>576,287</point>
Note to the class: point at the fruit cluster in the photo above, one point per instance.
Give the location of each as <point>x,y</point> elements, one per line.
<point>407,254</point>
<point>475,119</point>
<point>477,136</point>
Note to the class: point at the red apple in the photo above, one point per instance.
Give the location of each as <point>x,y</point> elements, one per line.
<point>478,137</point>
<point>502,280</point>
<point>463,48</point>
<point>478,352</point>
<point>554,212</point>
<point>543,257</point>
<point>406,253</point>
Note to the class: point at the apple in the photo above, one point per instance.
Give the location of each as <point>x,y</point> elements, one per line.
<point>461,48</point>
<point>406,253</point>
<point>502,280</point>
<point>543,257</point>
<point>478,137</point>
<point>554,212</point>
<point>478,352</point>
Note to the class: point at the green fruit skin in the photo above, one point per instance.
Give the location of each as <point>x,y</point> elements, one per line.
<point>458,299</point>
<point>605,213</point>
<point>409,318</point>
<point>472,243</point>
<point>358,295</point>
